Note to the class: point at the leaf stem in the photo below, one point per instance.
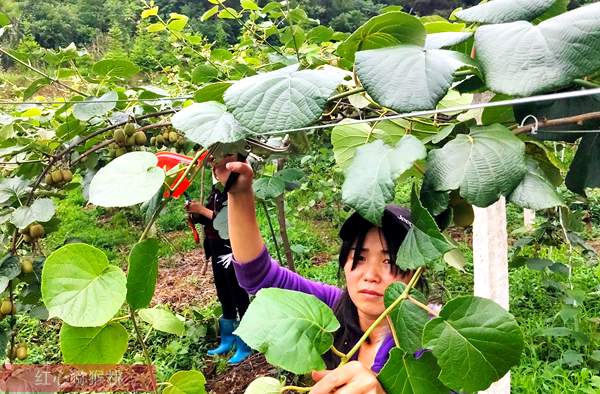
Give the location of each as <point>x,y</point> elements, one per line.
<point>138,333</point>
<point>295,388</point>
<point>426,308</point>
<point>586,84</point>
<point>338,353</point>
<point>346,94</point>
<point>386,312</point>
<point>394,333</point>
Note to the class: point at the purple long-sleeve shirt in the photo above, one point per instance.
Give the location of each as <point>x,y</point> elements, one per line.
<point>264,272</point>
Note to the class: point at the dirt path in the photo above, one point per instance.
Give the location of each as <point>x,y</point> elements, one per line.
<point>181,281</point>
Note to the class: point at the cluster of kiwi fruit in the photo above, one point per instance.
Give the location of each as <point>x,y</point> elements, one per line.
<point>126,139</point>
<point>33,232</point>
<point>58,177</point>
<point>168,138</point>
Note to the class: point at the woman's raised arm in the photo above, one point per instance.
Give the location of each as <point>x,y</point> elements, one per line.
<point>244,234</point>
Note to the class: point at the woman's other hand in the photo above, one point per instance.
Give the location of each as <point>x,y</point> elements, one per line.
<point>351,378</point>
<point>197,208</point>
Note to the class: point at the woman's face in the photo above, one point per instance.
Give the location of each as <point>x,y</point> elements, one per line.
<point>371,276</point>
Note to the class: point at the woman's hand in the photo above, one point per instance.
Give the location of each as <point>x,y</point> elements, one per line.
<point>198,208</point>
<point>244,182</point>
<point>351,378</point>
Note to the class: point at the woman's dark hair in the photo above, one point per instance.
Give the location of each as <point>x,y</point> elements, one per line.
<point>395,224</point>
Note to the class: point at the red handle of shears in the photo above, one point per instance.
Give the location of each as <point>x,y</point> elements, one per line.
<point>190,220</point>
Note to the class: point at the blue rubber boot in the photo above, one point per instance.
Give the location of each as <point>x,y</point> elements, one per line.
<point>226,327</point>
<point>241,353</point>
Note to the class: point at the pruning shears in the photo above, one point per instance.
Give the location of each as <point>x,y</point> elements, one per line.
<point>188,200</point>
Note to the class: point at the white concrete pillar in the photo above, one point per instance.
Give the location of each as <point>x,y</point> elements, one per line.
<point>490,265</point>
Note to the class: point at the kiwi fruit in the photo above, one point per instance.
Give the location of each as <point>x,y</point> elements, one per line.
<point>36,231</point>
<point>140,138</point>
<point>129,129</point>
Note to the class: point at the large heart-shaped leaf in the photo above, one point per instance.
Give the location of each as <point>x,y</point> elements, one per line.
<point>208,123</point>
<point>521,59</point>
<point>408,319</point>
<point>186,382</point>
<point>141,276</point>
<point>127,180</point>
<point>81,287</point>
<point>264,385</point>
<point>485,164</point>
<point>369,180</point>
<point>10,267</point>
<point>535,191</point>
<point>560,109</point>
<point>407,77</point>
<point>93,345</point>
<point>281,99</point>
<point>585,167</point>
<point>389,29</point>
<point>503,11</point>
<point>100,106</point>
<point>446,39</point>
<point>346,138</point>
<point>162,320</point>
<point>41,210</point>
<point>12,188</point>
<point>268,187</point>
<point>121,68</point>
<point>475,342</point>
<point>284,324</point>
<point>405,374</point>
<point>424,242</point>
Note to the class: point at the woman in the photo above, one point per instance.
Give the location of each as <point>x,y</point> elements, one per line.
<point>234,300</point>
<point>367,260</point>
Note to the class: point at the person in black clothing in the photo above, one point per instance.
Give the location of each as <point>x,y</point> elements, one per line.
<point>234,300</point>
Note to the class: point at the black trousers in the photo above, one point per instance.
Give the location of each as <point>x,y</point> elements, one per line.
<point>234,300</point>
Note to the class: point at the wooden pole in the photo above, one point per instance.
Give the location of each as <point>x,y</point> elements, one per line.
<point>490,265</point>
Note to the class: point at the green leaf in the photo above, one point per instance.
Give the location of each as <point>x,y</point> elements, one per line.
<point>13,188</point>
<point>220,223</point>
<point>408,78</point>
<point>585,167</point>
<point>446,39</point>
<point>475,343</point>
<point>93,345</point>
<point>119,68</point>
<point>208,123</point>
<point>86,111</point>
<point>80,287</point>
<point>521,59</point>
<point>281,99</point>
<point>4,281</point>
<point>35,86</point>
<point>283,324</point>
<point>535,191</point>
<point>503,114</point>
<point>127,180</point>
<point>10,267</point>
<point>268,187</point>
<point>408,319</point>
<point>41,210</point>
<point>319,34</point>
<point>228,13</point>
<point>503,11</point>
<point>204,73</point>
<point>560,109</point>
<point>404,374</point>
<point>156,27</point>
<point>162,320</point>
<point>487,163</point>
<point>553,332</point>
<point>212,92</point>
<point>389,29</point>
<point>186,382</point>
<point>177,24</point>
<point>293,36</point>
<point>264,385</point>
<point>346,138</point>
<point>142,272</point>
<point>249,5</point>
<point>424,242</point>
<point>369,180</point>
<point>149,12</point>
<point>4,19</point>
<point>209,13</point>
